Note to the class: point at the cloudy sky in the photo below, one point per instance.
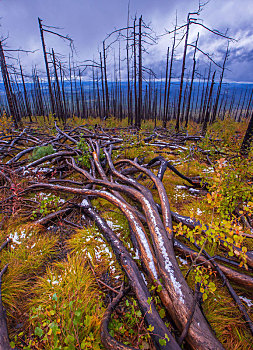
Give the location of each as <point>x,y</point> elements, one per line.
<point>89,21</point>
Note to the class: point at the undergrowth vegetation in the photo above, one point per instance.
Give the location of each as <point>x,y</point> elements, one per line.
<point>43,151</point>
<point>67,307</point>
<point>55,289</point>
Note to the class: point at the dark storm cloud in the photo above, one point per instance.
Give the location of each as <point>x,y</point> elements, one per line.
<point>88,22</point>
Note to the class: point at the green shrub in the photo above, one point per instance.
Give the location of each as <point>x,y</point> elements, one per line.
<point>43,151</point>
<point>84,159</point>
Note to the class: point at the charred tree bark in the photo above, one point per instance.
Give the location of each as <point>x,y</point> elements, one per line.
<point>103,88</point>
<point>192,79</point>
<point>182,73</point>
<point>219,88</point>
<point>248,138</point>
<point>135,76</point>
<point>139,114</point>
<point>165,89</point>
<point>107,106</point>
<point>58,91</point>
<point>47,67</point>
<point>8,88</point>
<point>207,116</point>
<point>27,104</point>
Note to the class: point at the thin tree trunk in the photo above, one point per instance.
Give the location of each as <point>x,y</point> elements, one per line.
<point>248,138</point>
<point>165,89</point>
<point>47,67</point>
<point>192,79</point>
<point>182,73</point>
<point>207,116</point>
<point>219,88</point>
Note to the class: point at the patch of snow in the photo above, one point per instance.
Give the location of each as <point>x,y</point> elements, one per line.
<point>208,170</point>
<point>113,225</point>
<point>194,190</point>
<point>17,237</point>
<point>183,148</point>
<point>178,194</point>
<point>183,261</point>
<point>199,212</point>
<point>247,301</point>
<point>181,187</point>
<point>168,264</point>
<point>85,203</point>
<point>167,214</point>
<point>144,279</point>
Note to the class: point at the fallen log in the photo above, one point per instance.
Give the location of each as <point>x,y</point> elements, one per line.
<point>135,280</point>
<point>175,284</point>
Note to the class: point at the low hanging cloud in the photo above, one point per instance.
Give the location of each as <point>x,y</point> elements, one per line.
<point>88,22</point>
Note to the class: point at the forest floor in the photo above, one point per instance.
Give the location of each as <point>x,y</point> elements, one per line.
<point>62,273</point>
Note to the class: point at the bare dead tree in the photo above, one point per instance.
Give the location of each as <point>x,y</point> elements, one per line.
<point>165,89</point>
<point>207,115</point>
<point>139,113</point>
<point>8,88</point>
<point>248,139</point>
<point>47,67</point>
<point>216,103</point>
<point>192,20</point>
<point>192,79</point>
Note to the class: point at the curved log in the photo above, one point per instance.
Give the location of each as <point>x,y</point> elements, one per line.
<point>126,260</point>
<point>140,239</point>
<point>179,291</point>
<point>171,167</point>
<point>136,281</point>
<point>49,157</point>
<point>162,195</point>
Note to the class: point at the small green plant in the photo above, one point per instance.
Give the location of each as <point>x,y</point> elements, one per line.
<point>202,277</point>
<point>40,152</point>
<point>49,204</point>
<point>84,159</point>
<point>131,326</point>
